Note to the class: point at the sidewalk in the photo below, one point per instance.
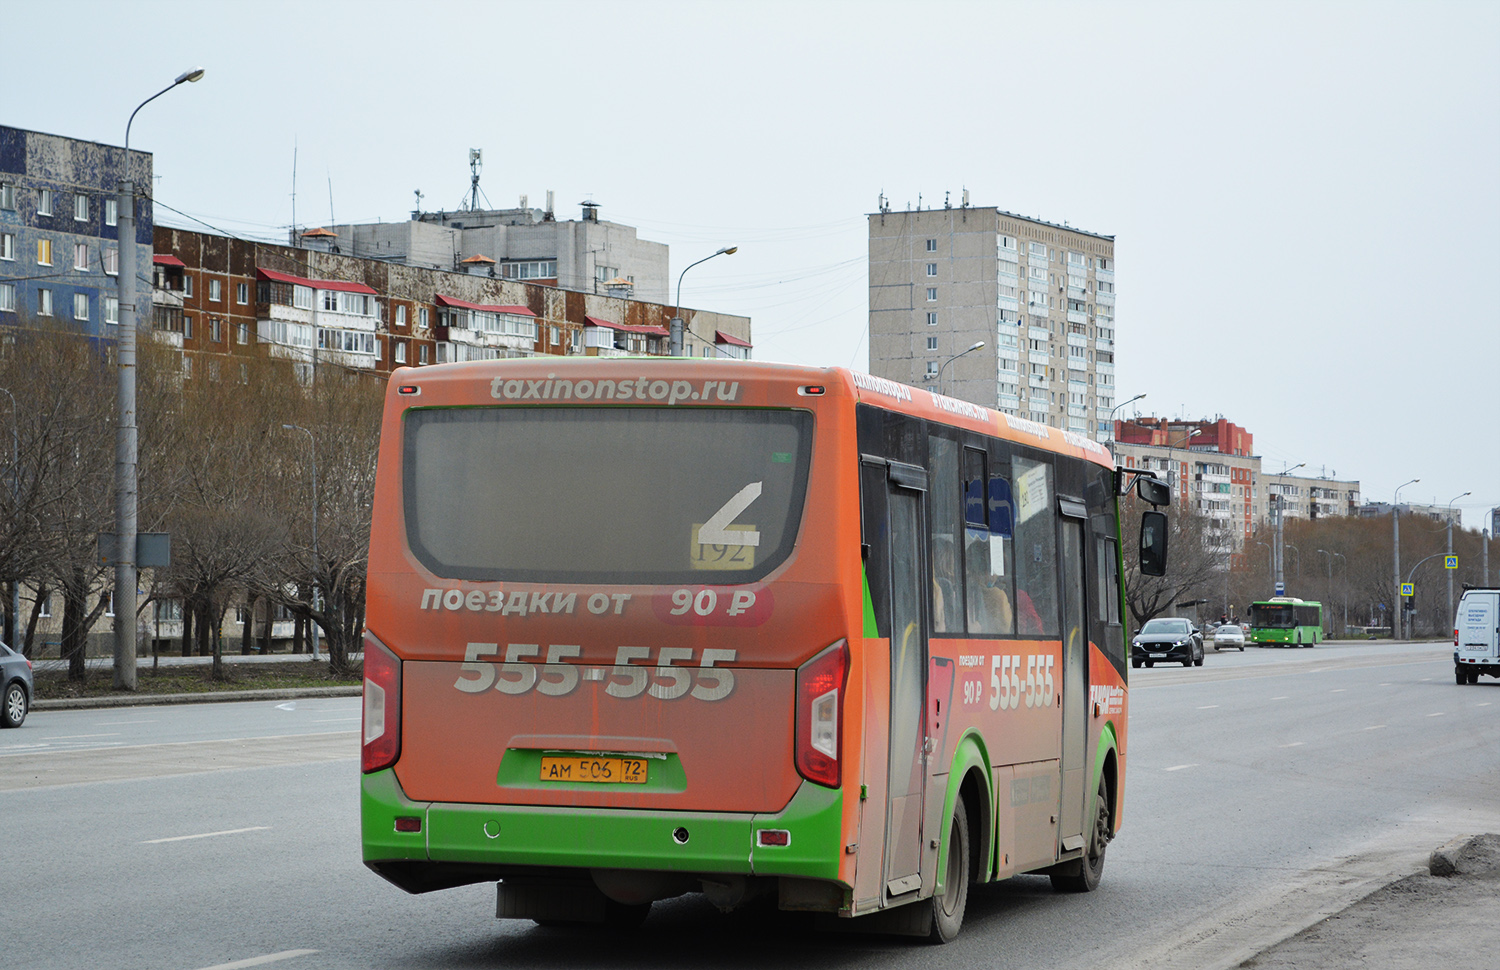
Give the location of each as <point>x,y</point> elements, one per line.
<point>202,697</point>
<point>1442,918</point>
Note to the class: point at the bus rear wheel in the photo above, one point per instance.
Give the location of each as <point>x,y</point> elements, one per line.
<point>1083,875</point>
<point>948,909</point>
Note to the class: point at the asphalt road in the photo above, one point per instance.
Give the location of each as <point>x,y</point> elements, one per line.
<point>1264,790</point>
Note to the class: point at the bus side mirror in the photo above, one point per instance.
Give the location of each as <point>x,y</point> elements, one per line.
<point>1157,492</point>
<point>1153,543</point>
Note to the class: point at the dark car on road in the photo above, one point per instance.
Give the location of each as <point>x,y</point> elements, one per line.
<point>18,687</point>
<point>1168,640</point>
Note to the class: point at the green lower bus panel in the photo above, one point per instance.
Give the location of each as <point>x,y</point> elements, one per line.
<point>605,838</point>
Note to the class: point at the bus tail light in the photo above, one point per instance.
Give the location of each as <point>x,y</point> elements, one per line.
<point>382,720</point>
<point>820,711</point>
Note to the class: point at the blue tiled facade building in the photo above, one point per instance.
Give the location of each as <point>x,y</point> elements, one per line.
<point>59,241</point>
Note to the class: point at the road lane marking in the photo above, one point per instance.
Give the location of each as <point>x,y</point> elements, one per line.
<point>1374,727</point>
<point>1281,698</point>
<point>113,723</point>
<point>75,737</point>
<point>1180,767</point>
<point>1205,707</point>
<point>1386,684</point>
<point>205,835</point>
<point>261,961</point>
<point>1485,704</point>
<point>1338,690</point>
<point>1436,714</point>
<point>1294,744</point>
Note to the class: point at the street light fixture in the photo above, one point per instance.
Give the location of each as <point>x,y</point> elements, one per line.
<point>1397,612</point>
<point>674,346</point>
<point>317,561</point>
<point>125,437</point>
<point>1278,510</point>
<point>1116,408</point>
<point>977,345</point>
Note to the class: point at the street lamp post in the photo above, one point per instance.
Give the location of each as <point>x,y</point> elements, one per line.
<point>1270,556</point>
<point>1397,613</point>
<point>1346,591</point>
<point>1450,572</point>
<point>13,627</point>
<point>674,346</point>
<point>317,561</point>
<point>1325,552</point>
<point>977,345</point>
<point>125,435</point>
<point>1278,508</point>
<point>1293,547</point>
<point>1409,576</point>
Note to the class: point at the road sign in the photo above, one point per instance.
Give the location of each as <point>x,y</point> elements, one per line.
<point>1451,562</point>
<point>1408,589</point>
<point>1281,589</point>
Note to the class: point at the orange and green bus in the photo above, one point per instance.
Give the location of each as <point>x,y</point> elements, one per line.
<point>641,627</point>
<point>1286,621</point>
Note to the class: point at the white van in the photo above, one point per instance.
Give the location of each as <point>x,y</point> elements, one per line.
<point>1476,635</point>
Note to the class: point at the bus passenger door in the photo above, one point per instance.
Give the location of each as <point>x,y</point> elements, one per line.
<point>1075,659</point>
<point>903,837</point>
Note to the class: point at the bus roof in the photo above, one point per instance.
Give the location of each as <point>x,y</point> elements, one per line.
<point>526,373</point>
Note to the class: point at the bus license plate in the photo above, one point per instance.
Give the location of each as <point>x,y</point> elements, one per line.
<point>606,771</point>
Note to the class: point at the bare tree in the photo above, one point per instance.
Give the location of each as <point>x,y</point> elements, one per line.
<point>1195,567</point>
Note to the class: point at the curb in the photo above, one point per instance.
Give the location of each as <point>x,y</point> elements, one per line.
<point>208,697</point>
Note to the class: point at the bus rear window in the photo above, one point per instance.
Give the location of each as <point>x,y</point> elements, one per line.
<point>604,495</point>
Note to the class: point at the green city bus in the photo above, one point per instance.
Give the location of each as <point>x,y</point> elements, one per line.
<point>1286,621</point>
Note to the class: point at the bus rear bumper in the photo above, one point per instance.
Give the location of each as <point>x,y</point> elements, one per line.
<point>460,844</point>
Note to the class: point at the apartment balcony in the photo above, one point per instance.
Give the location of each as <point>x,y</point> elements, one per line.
<point>284,312</point>
<point>1078,364</point>
<point>1008,303</point>
<point>1104,299</point>
<point>1104,275</point>
<point>1077,340</point>
<point>1037,380</point>
<point>1103,343</point>
<point>1104,368</point>
<point>1008,402</point>
<point>336,320</point>
<point>1038,357</point>
<point>1077,292</point>
<point>1077,411</point>
<point>1039,333</point>
<point>487,340</point>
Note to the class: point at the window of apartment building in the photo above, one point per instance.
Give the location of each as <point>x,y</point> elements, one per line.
<point>80,207</point>
<point>44,252</point>
<point>330,300</point>
<point>44,302</point>
<point>932,369</point>
<point>81,256</point>
<point>1106,334</point>
<point>1007,364</point>
<point>1005,340</point>
<point>1007,243</point>
<point>110,257</point>
<point>112,310</point>
<point>932,318</point>
<point>80,306</point>
<point>400,315</point>
<point>932,245</point>
<point>1037,347</point>
<point>187,326</point>
<point>213,371</point>
<point>7,195</point>
<point>187,285</point>
<point>1038,273</point>
<point>575,341</point>
<point>215,291</point>
<point>1075,259</point>
<point>932,343</point>
<point>398,347</point>
<point>932,294</point>
<point>932,269</point>
<point>1106,263</point>
<point>242,293</point>
<point>44,606</point>
<point>187,367</point>
<point>554,335</point>
<point>1106,287</point>
<point>243,333</point>
<point>7,246</point>
<point>244,373</point>
<point>215,329</point>
<point>422,354</point>
<point>302,297</point>
<point>1037,250</point>
<point>422,317</point>
<point>8,297</point>
<point>111,212</point>
<point>44,202</point>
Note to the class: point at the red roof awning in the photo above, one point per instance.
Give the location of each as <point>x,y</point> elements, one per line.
<point>648,331</point>
<point>340,285</point>
<point>720,337</point>
<point>487,308</point>
<point>167,259</point>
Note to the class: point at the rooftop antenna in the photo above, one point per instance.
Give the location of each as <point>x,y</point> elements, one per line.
<point>476,162</point>
<point>418,194</point>
<point>295,238</point>
<point>331,221</point>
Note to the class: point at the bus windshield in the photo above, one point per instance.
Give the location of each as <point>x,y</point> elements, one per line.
<point>1271,616</point>
<point>604,495</point>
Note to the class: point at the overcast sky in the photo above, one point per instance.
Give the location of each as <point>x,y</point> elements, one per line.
<point>1305,197</point>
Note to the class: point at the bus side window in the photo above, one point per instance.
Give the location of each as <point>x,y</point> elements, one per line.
<point>987,580</point>
<point>944,492</point>
<point>1036,550</point>
<point>1109,580</point>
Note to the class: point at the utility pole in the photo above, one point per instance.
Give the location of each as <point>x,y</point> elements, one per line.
<point>1397,603</point>
<point>1450,572</point>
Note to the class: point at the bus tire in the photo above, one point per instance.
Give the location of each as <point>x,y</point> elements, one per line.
<point>948,909</point>
<point>1083,876</point>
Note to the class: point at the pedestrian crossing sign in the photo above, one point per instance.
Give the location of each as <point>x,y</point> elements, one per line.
<point>1408,589</point>
<point>1450,562</point>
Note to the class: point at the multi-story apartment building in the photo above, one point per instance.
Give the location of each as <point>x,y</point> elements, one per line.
<point>217,298</point>
<point>587,255</point>
<point>1039,296</point>
<point>1437,513</point>
<point>1214,472</point>
<point>59,235</point>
